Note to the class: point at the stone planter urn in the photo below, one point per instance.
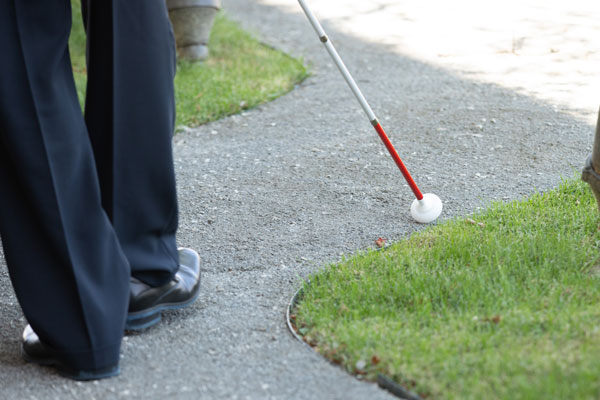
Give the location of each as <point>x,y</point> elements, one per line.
<point>192,22</point>
<point>591,170</point>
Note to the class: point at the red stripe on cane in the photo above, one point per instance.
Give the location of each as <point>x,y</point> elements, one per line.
<point>399,163</point>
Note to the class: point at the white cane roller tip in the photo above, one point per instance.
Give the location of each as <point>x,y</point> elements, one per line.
<point>426,210</point>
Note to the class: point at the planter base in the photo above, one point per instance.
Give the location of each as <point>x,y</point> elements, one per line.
<point>592,166</point>
<point>192,22</point>
<point>197,52</point>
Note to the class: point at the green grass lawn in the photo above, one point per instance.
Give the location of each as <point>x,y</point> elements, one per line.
<point>503,305</point>
<point>240,73</point>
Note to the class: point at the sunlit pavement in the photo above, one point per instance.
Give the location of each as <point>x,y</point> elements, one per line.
<point>547,49</point>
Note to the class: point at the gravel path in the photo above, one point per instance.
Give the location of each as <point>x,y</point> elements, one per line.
<point>271,195</point>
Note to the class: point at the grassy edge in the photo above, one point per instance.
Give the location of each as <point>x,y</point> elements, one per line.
<point>306,285</point>
<point>242,73</point>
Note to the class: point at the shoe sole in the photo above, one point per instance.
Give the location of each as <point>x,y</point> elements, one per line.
<point>69,373</point>
<point>143,320</point>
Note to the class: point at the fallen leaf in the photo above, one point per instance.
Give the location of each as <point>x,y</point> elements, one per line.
<point>495,319</point>
<point>375,360</point>
<point>312,342</point>
<point>380,242</point>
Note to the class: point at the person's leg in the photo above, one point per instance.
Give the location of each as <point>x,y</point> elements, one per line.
<point>68,271</point>
<point>130,113</point>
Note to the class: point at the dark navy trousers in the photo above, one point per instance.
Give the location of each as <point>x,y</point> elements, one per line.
<point>86,202</point>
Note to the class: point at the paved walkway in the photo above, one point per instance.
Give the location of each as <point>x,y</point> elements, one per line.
<point>276,193</point>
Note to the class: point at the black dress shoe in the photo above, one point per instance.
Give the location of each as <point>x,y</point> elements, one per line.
<point>34,351</point>
<point>147,302</point>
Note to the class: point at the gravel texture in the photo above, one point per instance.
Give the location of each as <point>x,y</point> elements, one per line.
<point>276,193</point>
